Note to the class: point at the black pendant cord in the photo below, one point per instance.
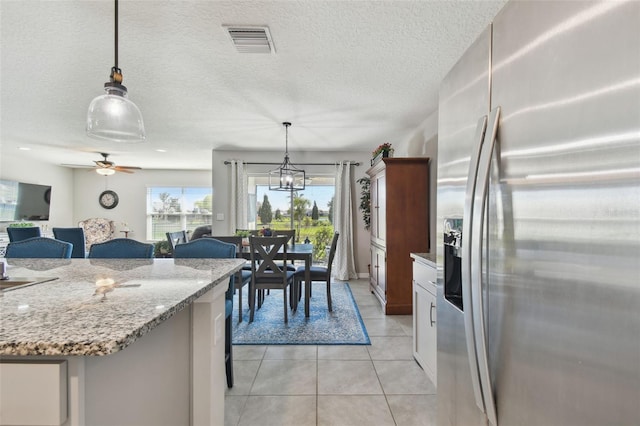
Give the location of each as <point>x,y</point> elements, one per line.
<point>286,139</point>
<point>116,36</point>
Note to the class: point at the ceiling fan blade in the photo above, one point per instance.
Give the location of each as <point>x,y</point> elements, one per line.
<point>77,166</point>
<point>129,167</point>
<point>120,169</point>
<point>104,164</point>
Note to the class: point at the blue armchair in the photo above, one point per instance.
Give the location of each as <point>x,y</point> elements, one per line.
<point>19,234</point>
<point>209,248</point>
<point>74,236</point>
<point>40,248</point>
<point>121,248</point>
<point>243,276</point>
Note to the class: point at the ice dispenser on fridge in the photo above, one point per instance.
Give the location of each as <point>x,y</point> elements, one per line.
<point>452,261</point>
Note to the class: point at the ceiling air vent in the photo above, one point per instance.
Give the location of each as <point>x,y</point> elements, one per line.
<point>248,39</point>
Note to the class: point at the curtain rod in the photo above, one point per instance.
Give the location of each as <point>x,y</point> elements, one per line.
<point>355,163</point>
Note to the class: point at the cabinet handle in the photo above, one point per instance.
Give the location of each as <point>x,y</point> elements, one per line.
<point>431,313</point>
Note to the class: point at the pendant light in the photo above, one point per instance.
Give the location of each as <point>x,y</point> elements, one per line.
<point>113,116</point>
<point>287,177</point>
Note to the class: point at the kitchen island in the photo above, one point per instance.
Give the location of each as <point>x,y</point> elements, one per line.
<point>129,342</point>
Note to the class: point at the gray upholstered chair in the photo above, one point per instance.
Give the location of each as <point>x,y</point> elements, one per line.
<point>201,231</point>
<point>40,248</point>
<point>175,238</point>
<point>265,272</point>
<point>74,236</point>
<point>210,248</point>
<point>319,273</point>
<point>22,233</point>
<point>121,248</point>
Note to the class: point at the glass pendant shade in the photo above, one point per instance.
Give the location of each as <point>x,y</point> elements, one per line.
<point>114,117</point>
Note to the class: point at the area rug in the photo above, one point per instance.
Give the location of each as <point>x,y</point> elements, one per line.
<point>342,326</point>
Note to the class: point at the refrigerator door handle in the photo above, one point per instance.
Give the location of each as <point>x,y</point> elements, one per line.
<point>466,261</point>
<point>479,206</point>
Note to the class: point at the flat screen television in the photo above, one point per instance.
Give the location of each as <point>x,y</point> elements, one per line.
<point>24,201</point>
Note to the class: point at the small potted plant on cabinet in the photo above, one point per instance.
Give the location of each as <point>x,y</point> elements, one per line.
<point>382,151</point>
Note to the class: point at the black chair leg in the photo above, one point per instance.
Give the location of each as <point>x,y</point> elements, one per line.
<point>329,295</point>
<point>228,352</point>
<point>286,308</point>
<point>252,303</point>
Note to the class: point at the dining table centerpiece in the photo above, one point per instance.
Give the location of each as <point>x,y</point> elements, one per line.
<point>245,236</point>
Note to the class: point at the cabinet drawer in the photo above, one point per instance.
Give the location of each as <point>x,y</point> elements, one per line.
<point>33,393</point>
<point>425,276</point>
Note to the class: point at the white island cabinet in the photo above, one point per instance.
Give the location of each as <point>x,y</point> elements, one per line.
<point>114,342</point>
<point>424,313</point>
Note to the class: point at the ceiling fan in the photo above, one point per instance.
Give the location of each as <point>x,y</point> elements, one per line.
<point>106,167</point>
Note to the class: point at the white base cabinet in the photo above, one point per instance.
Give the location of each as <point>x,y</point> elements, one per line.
<point>424,316</point>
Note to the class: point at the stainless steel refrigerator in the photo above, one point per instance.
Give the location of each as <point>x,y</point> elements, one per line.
<point>538,233</point>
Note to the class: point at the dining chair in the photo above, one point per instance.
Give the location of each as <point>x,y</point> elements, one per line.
<point>40,248</point>
<point>266,274</point>
<point>22,233</point>
<point>243,276</point>
<point>121,248</point>
<point>74,236</point>
<point>97,230</point>
<point>178,237</point>
<point>250,232</point>
<point>319,273</point>
<point>211,248</point>
<point>291,240</point>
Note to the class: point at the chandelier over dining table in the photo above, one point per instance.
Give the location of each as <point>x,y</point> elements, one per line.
<point>286,177</point>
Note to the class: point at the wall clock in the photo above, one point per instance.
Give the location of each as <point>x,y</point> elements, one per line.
<point>108,199</point>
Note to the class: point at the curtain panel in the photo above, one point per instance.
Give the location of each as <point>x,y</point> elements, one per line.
<point>344,266</point>
<point>238,195</point>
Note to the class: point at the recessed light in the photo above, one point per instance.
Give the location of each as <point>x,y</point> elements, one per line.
<point>24,148</point>
<point>161,150</point>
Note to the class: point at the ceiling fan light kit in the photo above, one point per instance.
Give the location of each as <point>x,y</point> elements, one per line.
<point>105,172</point>
<point>112,116</point>
<point>287,177</point>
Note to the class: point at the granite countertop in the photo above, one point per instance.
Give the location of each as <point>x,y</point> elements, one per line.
<point>99,306</point>
<point>427,258</point>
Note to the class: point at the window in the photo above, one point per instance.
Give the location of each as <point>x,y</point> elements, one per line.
<point>312,207</point>
<point>171,209</point>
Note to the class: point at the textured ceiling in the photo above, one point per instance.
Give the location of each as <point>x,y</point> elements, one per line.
<point>349,75</point>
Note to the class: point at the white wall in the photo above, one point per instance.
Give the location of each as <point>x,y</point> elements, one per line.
<point>424,143</point>
<point>132,194</point>
<point>14,166</point>
<point>221,176</point>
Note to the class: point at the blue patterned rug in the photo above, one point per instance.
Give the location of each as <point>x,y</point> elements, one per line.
<point>343,326</point>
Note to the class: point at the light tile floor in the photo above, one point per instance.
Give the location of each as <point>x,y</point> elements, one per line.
<point>375,385</point>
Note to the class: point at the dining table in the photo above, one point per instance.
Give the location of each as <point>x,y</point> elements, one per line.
<point>114,341</point>
<point>302,252</point>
